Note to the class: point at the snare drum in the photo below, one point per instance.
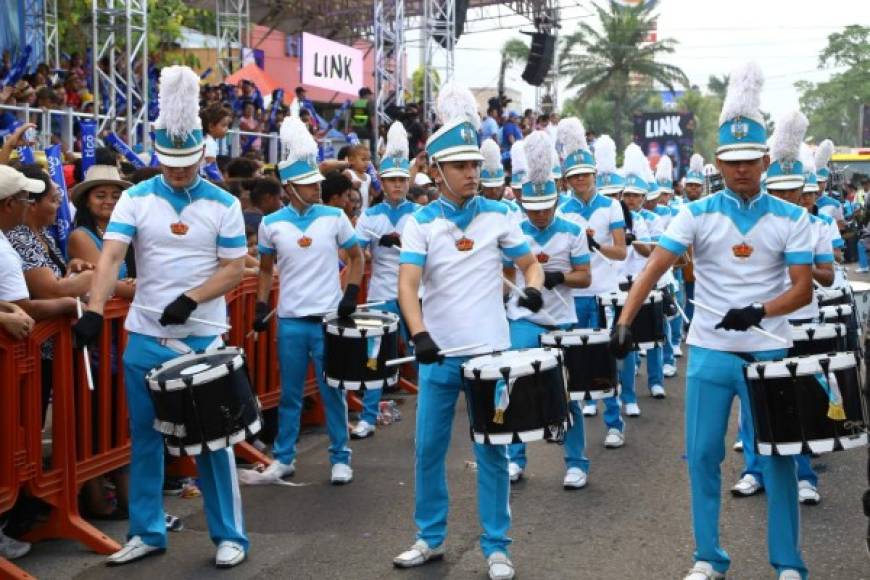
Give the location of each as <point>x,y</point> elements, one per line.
<point>648,328</point>
<point>792,398</point>
<point>590,367</point>
<point>203,401</point>
<point>357,349</point>
<point>813,338</point>
<point>833,296</point>
<point>516,396</point>
<point>841,313</point>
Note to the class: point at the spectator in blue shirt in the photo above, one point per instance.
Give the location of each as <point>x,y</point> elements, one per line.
<point>510,132</point>
<point>489,126</point>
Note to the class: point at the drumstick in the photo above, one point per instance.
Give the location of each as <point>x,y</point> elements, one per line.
<point>602,256</point>
<point>757,329</point>
<point>222,325</point>
<point>268,316</point>
<point>513,286</point>
<point>445,352</point>
<point>681,311</point>
<point>274,310</point>
<point>641,243</point>
<point>85,353</point>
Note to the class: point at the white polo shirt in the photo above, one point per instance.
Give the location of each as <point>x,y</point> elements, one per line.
<point>603,215</point>
<point>740,252</point>
<point>558,248</point>
<point>307,247</point>
<point>12,284</point>
<point>460,251</point>
<point>377,221</point>
<point>179,238</point>
<point>830,207</point>
<point>823,253</point>
<point>634,262</point>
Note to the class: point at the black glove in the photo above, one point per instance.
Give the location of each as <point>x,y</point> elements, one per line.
<point>621,342</point>
<point>670,307</point>
<point>87,329</point>
<point>742,318</point>
<point>178,310</point>
<point>261,311</point>
<point>532,300</point>
<point>629,238</point>
<point>553,279</point>
<point>593,245</point>
<point>390,240</point>
<point>347,306</point>
<point>425,349</point>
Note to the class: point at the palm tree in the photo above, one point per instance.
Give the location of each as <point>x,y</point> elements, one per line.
<point>606,59</point>
<point>513,51</point>
<point>718,86</point>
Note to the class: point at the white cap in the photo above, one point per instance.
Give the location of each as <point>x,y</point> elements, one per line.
<point>13,181</point>
<point>422,179</point>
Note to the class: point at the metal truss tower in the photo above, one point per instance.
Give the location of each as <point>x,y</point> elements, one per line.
<point>233,25</point>
<point>120,74</point>
<point>439,39</point>
<point>547,19</point>
<point>390,56</point>
<point>52,39</point>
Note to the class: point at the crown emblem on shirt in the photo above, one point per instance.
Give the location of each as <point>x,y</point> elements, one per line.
<point>464,244</point>
<point>467,134</point>
<point>543,258</point>
<point>178,228</point>
<point>304,242</point>
<point>742,250</point>
<point>739,129</point>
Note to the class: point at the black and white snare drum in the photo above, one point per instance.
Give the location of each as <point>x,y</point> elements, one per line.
<point>203,401</point>
<point>590,367</point>
<point>807,404</point>
<point>648,328</point>
<point>813,338</point>
<point>838,313</point>
<point>516,396</point>
<point>357,349</point>
<point>833,296</point>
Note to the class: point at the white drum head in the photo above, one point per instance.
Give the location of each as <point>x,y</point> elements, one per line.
<point>806,365</point>
<point>823,331</point>
<point>371,322</point>
<point>518,361</point>
<point>575,337</point>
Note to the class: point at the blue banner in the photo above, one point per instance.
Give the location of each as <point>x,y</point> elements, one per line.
<point>63,225</point>
<point>115,143</point>
<point>25,155</point>
<point>89,143</point>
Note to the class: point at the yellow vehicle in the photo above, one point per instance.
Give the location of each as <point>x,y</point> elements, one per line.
<point>854,161</point>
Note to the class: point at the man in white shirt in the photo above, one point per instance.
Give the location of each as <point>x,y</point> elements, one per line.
<point>743,239</point>
<point>454,246</point>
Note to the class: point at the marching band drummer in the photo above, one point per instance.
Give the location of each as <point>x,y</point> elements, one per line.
<point>743,240</point>
<point>304,238</point>
<point>455,246</point>
<point>492,177</point>
<point>604,223</point>
<point>379,228</point>
<point>826,203</point>
<point>189,240</point>
<point>560,248</point>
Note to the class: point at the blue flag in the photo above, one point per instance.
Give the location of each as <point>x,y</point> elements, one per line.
<point>63,224</point>
<point>89,143</point>
<point>25,155</point>
<point>115,143</point>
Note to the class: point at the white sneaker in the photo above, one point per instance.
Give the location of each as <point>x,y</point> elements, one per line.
<point>515,472</point>
<point>341,474</point>
<point>657,392</point>
<point>738,446</point>
<point>229,554</point>
<point>669,371</point>
<point>615,438</point>
<point>808,494</point>
<point>500,566</point>
<point>789,575</point>
<point>703,571</point>
<point>590,410</point>
<point>747,486</point>
<point>10,548</point>
<point>362,430</point>
<point>278,470</point>
<point>417,555</point>
<point>862,270</point>
<point>134,549</point>
<point>575,478</point>
<point>678,352</point>
<point>632,410</point>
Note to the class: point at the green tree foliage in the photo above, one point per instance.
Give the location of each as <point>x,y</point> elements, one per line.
<point>597,112</point>
<point>417,79</point>
<point>833,106</point>
<point>705,109</point>
<point>513,52</point>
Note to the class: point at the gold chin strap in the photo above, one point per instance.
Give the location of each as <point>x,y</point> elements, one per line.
<point>305,204</point>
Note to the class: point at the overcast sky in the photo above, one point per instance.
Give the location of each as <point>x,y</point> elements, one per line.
<point>714,37</point>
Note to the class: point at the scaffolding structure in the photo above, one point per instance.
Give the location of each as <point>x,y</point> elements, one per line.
<point>52,38</point>
<point>439,40</point>
<point>389,39</point>
<point>120,74</point>
<point>233,20</point>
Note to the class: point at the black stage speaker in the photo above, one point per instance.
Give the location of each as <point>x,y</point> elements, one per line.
<point>541,57</point>
<point>460,8</point>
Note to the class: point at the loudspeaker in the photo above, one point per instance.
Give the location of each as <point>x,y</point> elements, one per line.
<point>460,8</point>
<point>541,56</point>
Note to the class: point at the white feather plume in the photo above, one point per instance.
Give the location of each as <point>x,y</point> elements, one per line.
<point>743,98</point>
<point>518,157</point>
<point>455,103</point>
<point>788,136</point>
<point>179,102</point>
<point>297,141</point>
<point>605,154</point>
<point>696,163</point>
<point>397,141</point>
<point>665,169</point>
<point>807,159</point>
<point>571,136</point>
<point>635,162</point>
<point>491,155</point>
<point>539,157</point>
<point>824,152</point>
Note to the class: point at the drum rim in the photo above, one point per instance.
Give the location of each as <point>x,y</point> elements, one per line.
<point>356,385</point>
<point>776,369</point>
<point>846,308</point>
<point>601,336</point>
<point>494,374</point>
<point>831,326</point>
<point>607,298</point>
<point>392,326</point>
<point>157,384</point>
<point>252,428</point>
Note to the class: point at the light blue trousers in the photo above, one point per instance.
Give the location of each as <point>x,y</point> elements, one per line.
<point>440,385</point>
<point>862,255</point>
<point>372,397</point>
<point>588,317</point>
<point>301,341</point>
<point>714,378</point>
<point>217,470</point>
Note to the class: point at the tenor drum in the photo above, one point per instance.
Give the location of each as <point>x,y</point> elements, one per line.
<point>841,313</point>
<point>357,349</point>
<point>833,296</point>
<point>590,367</point>
<point>648,328</point>
<point>813,338</point>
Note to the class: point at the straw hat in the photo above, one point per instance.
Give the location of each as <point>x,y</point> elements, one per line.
<point>99,175</point>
